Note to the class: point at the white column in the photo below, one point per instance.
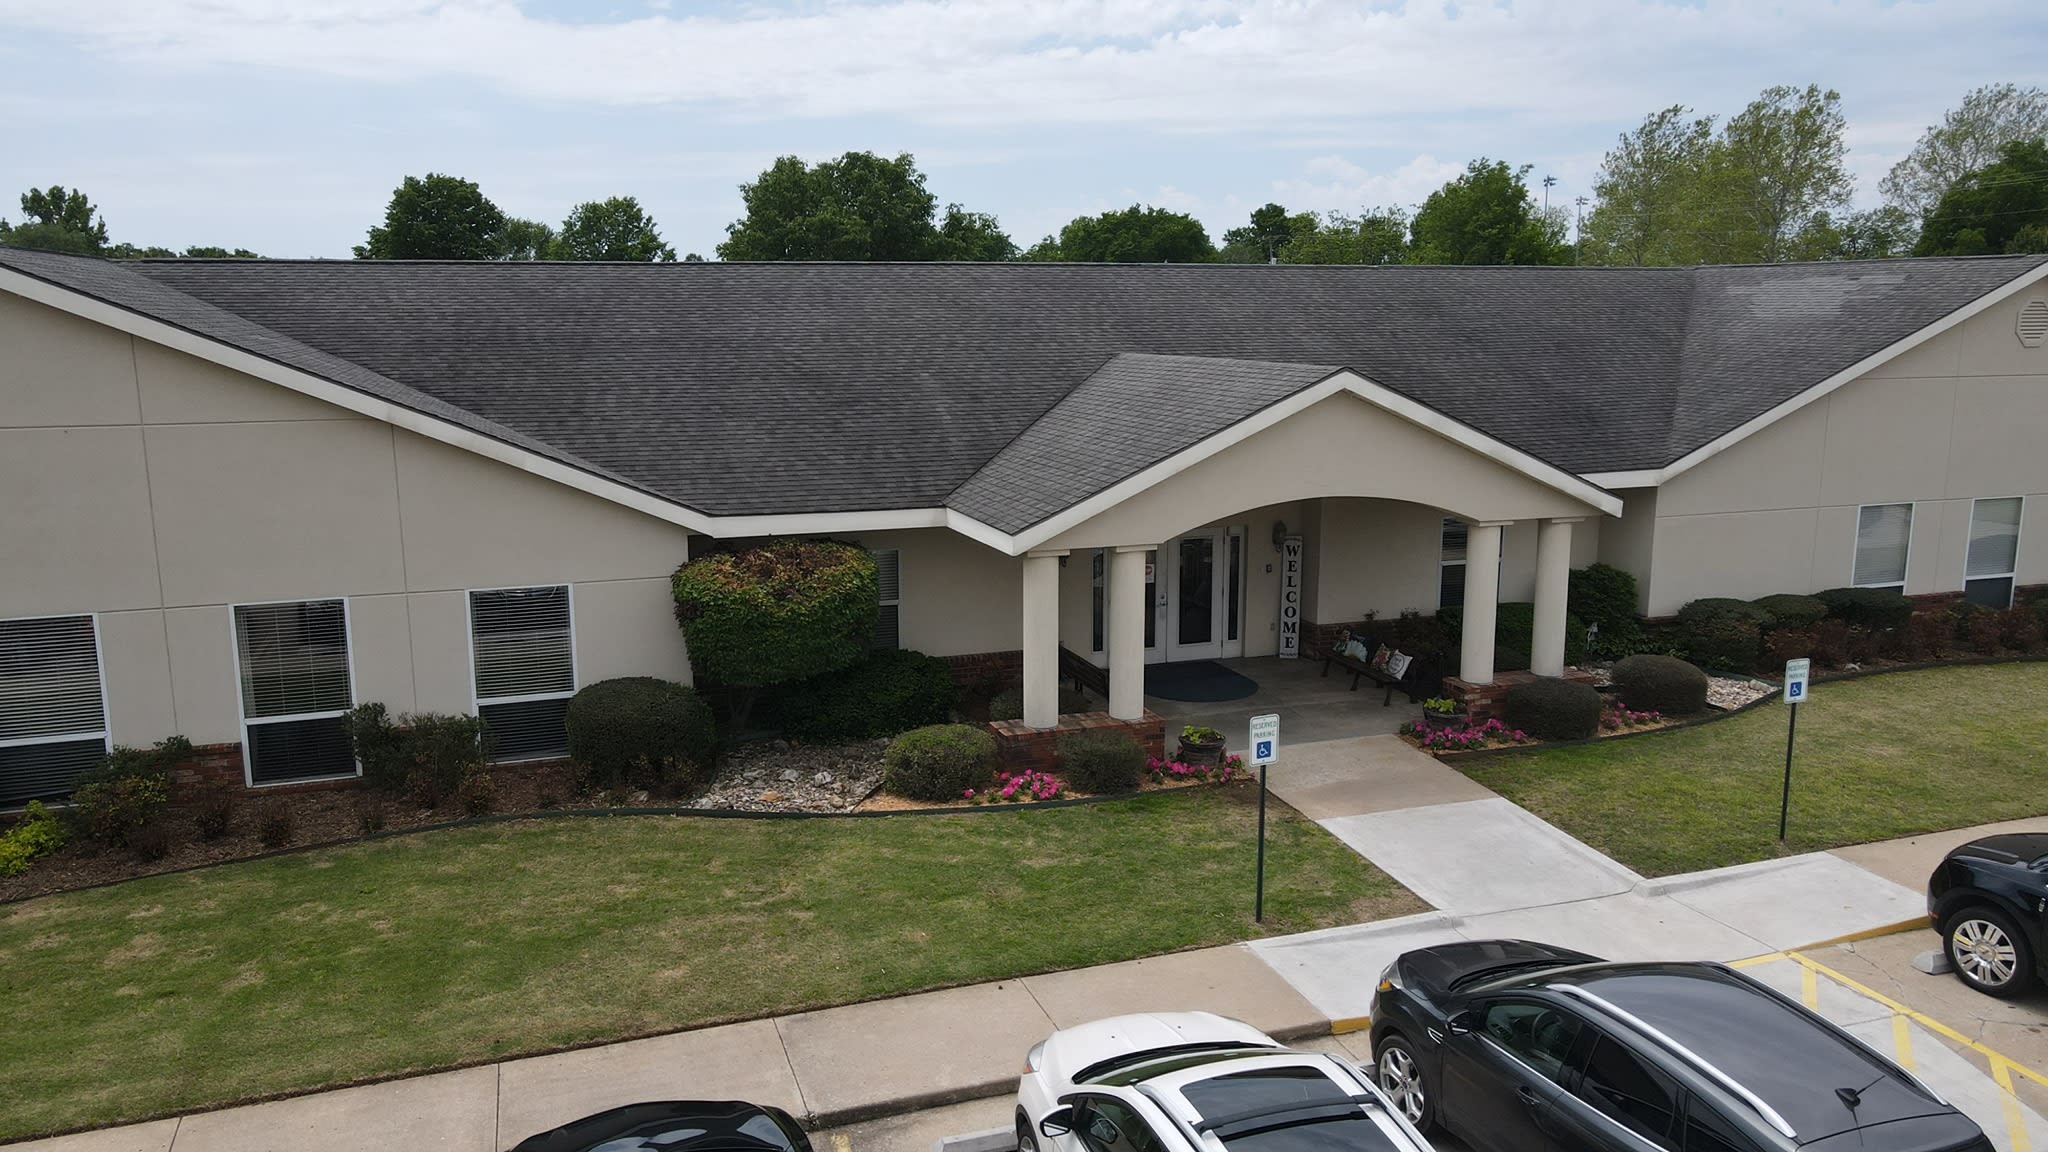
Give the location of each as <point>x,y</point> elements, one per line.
<point>1042,639</point>
<point>1482,593</point>
<point>1553,577</point>
<point>1128,607</point>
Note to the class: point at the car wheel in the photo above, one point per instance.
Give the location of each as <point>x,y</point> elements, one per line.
<point>1027,1138</point>
<point>1400,1077</point>
<point>1989,953</point>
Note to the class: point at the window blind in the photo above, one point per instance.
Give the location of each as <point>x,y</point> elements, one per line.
<point>49,679</point>
<point>294,658</point>
<point>1883,533</point>
<point>1994,537</point>
<point>888,575</point>
<point>522,642</point>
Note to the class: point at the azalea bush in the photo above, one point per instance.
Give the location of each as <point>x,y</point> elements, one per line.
<point>1017,788</point>
<point>1481,735</point>
<point>1161,771</point>
<point>1618,718</point>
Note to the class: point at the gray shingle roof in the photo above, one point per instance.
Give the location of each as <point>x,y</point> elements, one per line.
<point>770,388</point>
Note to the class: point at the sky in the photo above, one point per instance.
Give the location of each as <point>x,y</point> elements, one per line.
<point>283,125</point>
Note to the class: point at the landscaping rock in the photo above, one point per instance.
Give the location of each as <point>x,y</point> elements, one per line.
<point>1723,692</point>
<point>808,777</point>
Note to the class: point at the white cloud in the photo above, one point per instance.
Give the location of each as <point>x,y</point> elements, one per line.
<point>1330,183</point>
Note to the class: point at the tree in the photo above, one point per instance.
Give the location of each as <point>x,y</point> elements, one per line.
<point>1134,235</point>
<point>1778,164</point>
<point>1967,139</point>
<point>518,239</point>
<point>965,235</point>
<point>1380,236</point>
<point>205,252</point>
<point>2001,207</point>
<point>1651,193</point>
<point>57,219</point>
<point>1486,217</point>
<point>1261,241</point>
<point>857,207</point>
<point>1882,231</point>
<point>436,218</point>
<point>614,229</point>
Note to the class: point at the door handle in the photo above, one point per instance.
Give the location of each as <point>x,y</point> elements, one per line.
<point>1529,1096</point>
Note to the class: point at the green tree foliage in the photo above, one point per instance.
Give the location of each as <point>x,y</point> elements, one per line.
<point>518,239</point>
<point>1882,231</point>
<point>857,207</point>
<point>1486,217</point>
<point>1134,235</point>
<point>436,217</point>
<point>1379,236</point>
<point>2001,207</point>
<point>614,229</point>
<point>57,219</point>
<point>1272,227</point>
<point>1651,193</point>
<point>208,252</point>
<point>1967,139</point>
<point>1778,165</point>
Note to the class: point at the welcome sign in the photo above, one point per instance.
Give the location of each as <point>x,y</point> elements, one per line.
<point>1290,597</point>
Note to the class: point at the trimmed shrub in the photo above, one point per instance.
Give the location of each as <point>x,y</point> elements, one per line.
<point>368,808</point>
<point>1551,709</point>
<point>477,793</point>
<point>2019,629</point>
<point>1929,636</point>
<point>1979,629</point>
<point>275,822</point>
<point>214,813</point>
<point>127,789</point>
<point>1721,634</point>
<point>1790,610</point>
<point>1102,762</point>
<point>1867,607</point>
<point>781,612</point>
<point>1660,684</point>
<point>1605,595</point>
<point>1506,659</point>
<point>1009,703</point>
<point>1514,628</point>
<point>886,692</point>
<point>639,731</point>
<point>424,755</point>
<point>38,833</point>
<point>152,841</point>
<point>940,762</point>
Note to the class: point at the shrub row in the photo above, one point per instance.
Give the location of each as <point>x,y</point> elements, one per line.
<point>1846,626</point>
<point>642,732</point>
<point>426,757</point>
<point>882,694</point>
<point>945,762</point>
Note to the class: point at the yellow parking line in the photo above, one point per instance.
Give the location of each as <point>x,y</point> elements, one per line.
<point>1902,1041</point>
<point>2015,1120</point>
<point>1753,961</point>
<point>1809,988</point>
<point>1344,1024</point>
<point>1925,1021</point>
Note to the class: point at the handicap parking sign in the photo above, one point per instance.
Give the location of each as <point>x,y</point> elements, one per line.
<point>1265,738</point>
<point>1795,679</point>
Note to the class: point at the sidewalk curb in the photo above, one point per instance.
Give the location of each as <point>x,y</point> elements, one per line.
<point>1892,929</point>
<point>991,1140</point>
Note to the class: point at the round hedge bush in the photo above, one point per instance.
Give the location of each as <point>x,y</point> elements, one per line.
<point>1666,684</point>
<point>1552,709</point>
<point>1009,703</point>
<point>1790,610</point>
<point>643,732</point>
<point>1102,762</point>
<point>1722,633</point>
<point>784,611</point>
<point>886,692</point>
<point>939,762</point>
<point>1870,607</point>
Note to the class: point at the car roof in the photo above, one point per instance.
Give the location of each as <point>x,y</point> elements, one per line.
<point>1742,1035</point>
<point>1304,1086</point>
<point>2023,848</point>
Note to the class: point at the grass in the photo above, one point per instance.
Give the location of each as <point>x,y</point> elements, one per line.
<point>467,945</point>
<point>1876,758</point>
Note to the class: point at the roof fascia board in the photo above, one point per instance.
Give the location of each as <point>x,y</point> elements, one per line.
<point>88,307</point>
<point>1640,478</point>
<point>1343,380</point>
<point>1729,439</point>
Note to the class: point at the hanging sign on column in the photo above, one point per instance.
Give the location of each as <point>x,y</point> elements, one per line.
<point>1290,597</point>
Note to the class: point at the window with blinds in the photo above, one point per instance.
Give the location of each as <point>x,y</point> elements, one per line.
<point>292,660</point>
<point>1883,535</point>
<point>1989,572</point>
<point>53,721</point>
<point>1450,581</point>
<point>523,649</point>
<point>888,574</point>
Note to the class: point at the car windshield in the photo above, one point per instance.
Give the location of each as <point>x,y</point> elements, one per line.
<point>1291,1109</point>
<point>1499,971</point>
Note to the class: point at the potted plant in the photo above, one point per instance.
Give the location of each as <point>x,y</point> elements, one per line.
<point>1199,745</point>
<point>1441,712</point>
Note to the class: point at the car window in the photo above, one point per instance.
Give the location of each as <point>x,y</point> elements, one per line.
<point>1538,1034</point>
<point>1617,1082</point>
<point>1112,1126</point>
<point>1707,1131</point>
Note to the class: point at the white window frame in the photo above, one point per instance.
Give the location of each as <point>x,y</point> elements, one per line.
<point>897,603</point>
<point>106,732</point>
<point>1856,544</point>
<point>476,703</point>
<point>2018,531</point>
<point>348,641</point>
<point>1239,574</point>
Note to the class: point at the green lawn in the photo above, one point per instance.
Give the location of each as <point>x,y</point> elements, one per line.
<point>466,945</point>
<point>1879,757</point>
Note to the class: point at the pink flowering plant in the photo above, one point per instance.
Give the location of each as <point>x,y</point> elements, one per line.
<point>1178,772</point>
<point>1482,735</point>
<point>1618,718</point>
<point>1017,788</point>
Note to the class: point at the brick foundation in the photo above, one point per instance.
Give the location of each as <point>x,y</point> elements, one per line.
<point>987,668</point>
<point>1482,701</point>
<point>220,766</point>
<point>1022,748</point>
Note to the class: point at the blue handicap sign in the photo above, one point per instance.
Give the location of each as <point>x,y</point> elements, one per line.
<point>1798,690</point>
<point>1264,750</point>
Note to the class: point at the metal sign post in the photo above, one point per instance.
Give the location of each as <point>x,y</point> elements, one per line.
<point>1265,742</point>
<point>1796,672</point>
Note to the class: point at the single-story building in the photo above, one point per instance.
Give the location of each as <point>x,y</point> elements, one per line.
<point>239,497</point>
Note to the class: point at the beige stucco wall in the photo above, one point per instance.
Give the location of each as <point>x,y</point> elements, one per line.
<point>157,489</point>
<point>959,596</point>
<point>1957,418</point>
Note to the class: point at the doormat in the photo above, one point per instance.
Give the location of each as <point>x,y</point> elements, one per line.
<point>1197,680</point>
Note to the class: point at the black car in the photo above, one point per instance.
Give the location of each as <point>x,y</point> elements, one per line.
<point>676,1126</point>
<point>1989,901</point>
<point>1521,1047</point>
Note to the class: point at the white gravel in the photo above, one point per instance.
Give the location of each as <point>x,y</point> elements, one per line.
<point>779,776</point>
<point>1724,692</point>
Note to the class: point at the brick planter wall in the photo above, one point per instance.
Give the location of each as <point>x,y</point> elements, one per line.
<point>1022,748</point>
<point>1482,701</point>
<point>987,668</point>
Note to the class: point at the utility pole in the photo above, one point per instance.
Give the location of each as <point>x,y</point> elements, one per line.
<point>1547,182</point>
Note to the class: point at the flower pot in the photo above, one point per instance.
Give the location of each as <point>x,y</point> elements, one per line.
<point>1208,752</point>
<point>1438,721</point>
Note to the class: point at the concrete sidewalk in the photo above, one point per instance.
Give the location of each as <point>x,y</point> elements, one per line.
<point>836,1066</point>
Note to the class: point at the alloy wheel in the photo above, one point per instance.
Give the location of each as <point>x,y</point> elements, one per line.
<point>1401,1080</point>
<point>1984,953</point>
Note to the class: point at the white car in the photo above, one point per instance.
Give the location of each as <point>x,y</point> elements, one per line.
<point>1197,1082</point>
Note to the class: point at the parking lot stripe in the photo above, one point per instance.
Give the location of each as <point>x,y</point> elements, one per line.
<point>2015,1123</point>
<point>1809,988</point>
<point>1902,1042</point>
<point>1928,1022</point>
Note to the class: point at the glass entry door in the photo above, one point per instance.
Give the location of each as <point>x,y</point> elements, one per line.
<point>1196,595</point>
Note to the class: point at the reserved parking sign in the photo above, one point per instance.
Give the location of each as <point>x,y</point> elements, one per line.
<point>1265,739</point>
<point>1795,679</point>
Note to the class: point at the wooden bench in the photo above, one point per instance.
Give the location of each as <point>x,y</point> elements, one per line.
<point>1360,669</point>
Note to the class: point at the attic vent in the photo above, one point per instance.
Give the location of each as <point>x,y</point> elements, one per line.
<point>2033,324</point>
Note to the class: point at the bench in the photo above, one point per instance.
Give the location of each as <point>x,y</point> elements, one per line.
<point>1409,685</point>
